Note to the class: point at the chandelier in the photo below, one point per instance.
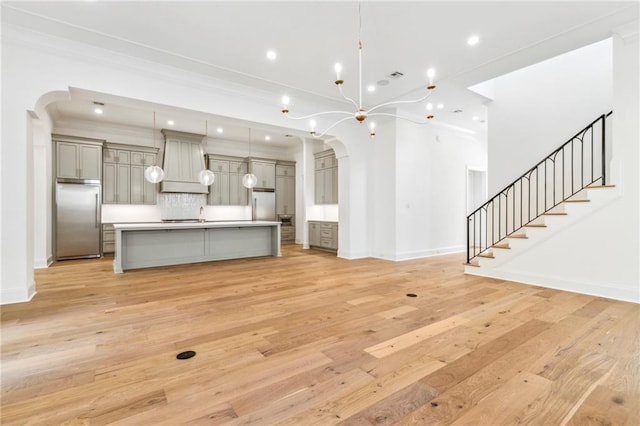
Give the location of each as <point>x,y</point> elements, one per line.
<point>360,114</point>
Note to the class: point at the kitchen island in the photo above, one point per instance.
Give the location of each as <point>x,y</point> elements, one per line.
<point>144,245</point>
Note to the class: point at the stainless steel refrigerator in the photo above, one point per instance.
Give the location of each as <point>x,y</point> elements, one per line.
<point>263,204</point>
<point>77,219</point>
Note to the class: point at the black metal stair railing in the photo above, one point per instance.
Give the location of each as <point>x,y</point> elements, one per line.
<point>578,163</point>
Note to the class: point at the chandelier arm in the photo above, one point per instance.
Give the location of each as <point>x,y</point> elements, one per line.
<point>386,114</point>
<point>350,114</point>
<point>332,126</point>
<point>347,98</point>
<point>400,102</point>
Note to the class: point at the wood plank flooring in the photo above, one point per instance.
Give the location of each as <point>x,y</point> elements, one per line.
<point>310,339</point>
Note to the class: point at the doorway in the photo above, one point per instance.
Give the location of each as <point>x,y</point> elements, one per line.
<point>476,188</point>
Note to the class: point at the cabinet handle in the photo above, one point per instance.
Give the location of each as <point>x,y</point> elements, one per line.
<point>97,220</point>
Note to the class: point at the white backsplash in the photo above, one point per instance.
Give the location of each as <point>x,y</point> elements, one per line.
<point>181,206</point>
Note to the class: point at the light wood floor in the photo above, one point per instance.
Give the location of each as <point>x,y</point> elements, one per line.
<point>310,339</point>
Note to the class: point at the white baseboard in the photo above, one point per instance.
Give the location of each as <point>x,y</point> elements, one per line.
<point>42,263</point>
<point>17,295</point>
<point>590,288</point>
<point>409,255</point>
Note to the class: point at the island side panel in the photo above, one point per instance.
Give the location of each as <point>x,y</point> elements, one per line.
<point>240,242</point>
<point>117,255</point>
<point>275,241</point>
<point>143,249</point>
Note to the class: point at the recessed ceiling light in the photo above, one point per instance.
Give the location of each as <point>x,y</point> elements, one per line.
<point>98,111</point>
<point>170,122</point>
<point>267,138</point>
<point>371,88</point>
<point>475,118</point>
<point>440,106</point>
<point>473,40</point>
<point>220,130</point>
<point>271,55</point>
<point>429,106</point>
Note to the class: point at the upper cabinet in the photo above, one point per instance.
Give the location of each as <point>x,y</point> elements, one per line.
<point>183,161</point>
<point>326,177</point>
<point>265,171</point>
<point>78,160</point>
<point>123,175</point>
<point>227,188</point>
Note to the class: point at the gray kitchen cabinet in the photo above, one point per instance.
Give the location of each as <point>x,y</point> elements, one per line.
<point>77,160</point>
<point>142,191</point>
<point>123,175</point>
<point>265,171</point>
<point>142,158</point>
<point>238,193</point>
<point>227,188</point>
<point>286,199</point>
<point>326,178</point>
<point>285,189</point>
<point>116,184</point>
<point>323,235</point>
<point>108,238</point>
<point>111,155</point>
<point>314,234</point>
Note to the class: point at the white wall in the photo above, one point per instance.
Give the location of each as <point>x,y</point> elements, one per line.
<point>43,194</point>
<point>431,186</point>
<point>538,108</point>
<point>597,253</point>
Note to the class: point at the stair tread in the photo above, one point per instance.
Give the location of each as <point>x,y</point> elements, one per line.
<point>555,214</point>
<point>472,263</point>
<point>487,255</point>
<point>501,246</point>
<point>592,186</point>
<point>535,225</point>
<point>579,200</point>
<point>522,236</point>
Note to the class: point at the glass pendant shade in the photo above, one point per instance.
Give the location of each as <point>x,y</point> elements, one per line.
<point>249,180</point>
<point>206,177</point>
<point>154,174</point>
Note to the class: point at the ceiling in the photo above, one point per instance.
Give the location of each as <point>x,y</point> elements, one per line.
<point>229,40</point>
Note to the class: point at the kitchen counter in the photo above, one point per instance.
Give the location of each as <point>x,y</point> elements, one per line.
<point>144,245</point>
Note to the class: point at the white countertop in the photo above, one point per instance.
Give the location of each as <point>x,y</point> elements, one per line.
<point>183,225</point>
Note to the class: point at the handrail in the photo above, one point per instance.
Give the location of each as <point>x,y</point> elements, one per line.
<point>541,173</point>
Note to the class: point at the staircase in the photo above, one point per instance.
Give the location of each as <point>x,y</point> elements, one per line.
<point>544,195</point>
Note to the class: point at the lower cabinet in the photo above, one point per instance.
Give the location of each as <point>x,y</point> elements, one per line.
<point>108,238</point>
<point>287,234</point>
<point>323,235</point>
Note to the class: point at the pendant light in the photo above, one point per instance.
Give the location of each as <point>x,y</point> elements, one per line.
<point>154,174</point>
<point>206,176</point>
<point>249,180</point>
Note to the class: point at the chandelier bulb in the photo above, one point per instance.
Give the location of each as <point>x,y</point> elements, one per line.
<point>431,72</point>
<point>338,69</point>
